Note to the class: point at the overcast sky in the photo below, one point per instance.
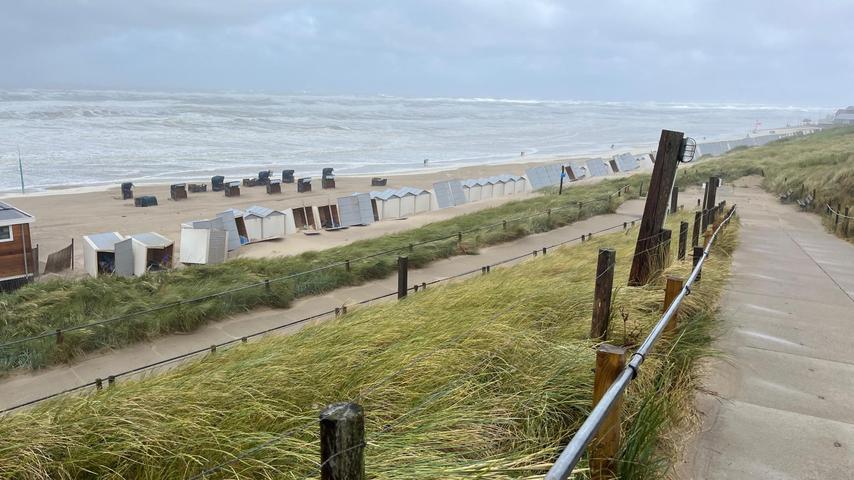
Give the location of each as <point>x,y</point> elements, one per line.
<point>755,51</point>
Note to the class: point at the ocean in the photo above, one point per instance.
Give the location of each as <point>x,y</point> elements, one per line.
<point>90,138</point>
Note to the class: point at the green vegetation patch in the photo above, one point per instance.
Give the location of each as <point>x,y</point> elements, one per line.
<point>487,378</point>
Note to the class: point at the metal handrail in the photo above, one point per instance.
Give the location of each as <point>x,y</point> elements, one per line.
<point>570,456</point>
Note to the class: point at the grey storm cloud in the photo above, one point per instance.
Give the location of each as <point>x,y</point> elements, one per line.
<point>780,51</point>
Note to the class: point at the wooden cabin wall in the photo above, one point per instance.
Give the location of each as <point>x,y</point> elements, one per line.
<point>12,253</point>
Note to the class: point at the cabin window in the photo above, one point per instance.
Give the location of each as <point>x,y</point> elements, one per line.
<point>6,234</point>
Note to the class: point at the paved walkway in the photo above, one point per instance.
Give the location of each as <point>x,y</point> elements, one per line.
<point>780,404</point>
<point>22,388</point>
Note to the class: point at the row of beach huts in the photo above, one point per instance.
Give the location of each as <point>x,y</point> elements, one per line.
<point>210,240</point>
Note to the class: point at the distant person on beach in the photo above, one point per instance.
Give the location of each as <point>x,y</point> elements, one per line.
<point>522,154</point>
<point>425,161</point>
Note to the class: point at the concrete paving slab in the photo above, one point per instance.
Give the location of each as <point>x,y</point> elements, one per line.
<point>777,405</point>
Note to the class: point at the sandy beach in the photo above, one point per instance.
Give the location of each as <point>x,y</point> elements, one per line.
<point>63,215</point>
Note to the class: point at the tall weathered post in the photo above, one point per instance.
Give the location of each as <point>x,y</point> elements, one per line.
<point>698,254</point>
<point>342,442</point>
<point>663,174</point>
<point>602,294</point>
<point>402,276</point>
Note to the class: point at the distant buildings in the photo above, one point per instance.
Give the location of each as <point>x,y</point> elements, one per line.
<point>844,116</point>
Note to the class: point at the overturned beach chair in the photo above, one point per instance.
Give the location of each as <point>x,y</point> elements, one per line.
<point>197,187</point>
<point>379,182</point>
<point>145,201</point>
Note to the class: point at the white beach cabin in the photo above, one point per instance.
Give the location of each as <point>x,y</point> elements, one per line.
<point>204,242</point>
<point>471,188</point>
<point>264,223</point>
<point>99,253</point>
<point>142,253</point>
<point>235,225</point>
<point>387,203</point>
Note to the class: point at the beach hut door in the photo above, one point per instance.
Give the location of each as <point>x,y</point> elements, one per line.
<point>124,258</point>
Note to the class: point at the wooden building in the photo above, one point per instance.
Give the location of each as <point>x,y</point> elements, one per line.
<point>18,262</point>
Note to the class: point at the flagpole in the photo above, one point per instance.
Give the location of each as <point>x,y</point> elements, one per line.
<point>21,169</point>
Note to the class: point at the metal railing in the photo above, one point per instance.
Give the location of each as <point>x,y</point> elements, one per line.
<point>566,462</point>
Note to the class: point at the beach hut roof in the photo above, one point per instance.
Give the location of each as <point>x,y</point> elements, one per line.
<point>10,215</point>
<point>152,239</point>
<point>104,241</point>
<point>410,191</point>
<point>237,213</point>
<point>262,212</point>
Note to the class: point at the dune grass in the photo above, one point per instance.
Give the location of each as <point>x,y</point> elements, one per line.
<point>59,304</point>
<point>822,162</point>
<point>486,378</point>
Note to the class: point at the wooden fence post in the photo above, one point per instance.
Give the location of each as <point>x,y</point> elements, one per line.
<point>663,175</point>
<point>347,265</point>
<point>836,222</point>
<point>847,220</point>
<point>698,253</point>
<point>342,442</point>
<point>610,361</point>
<point>695,235</point>
<point>602,294</point>
<point>671,290</point>
<point>674,199</point>
<point>664,248</point>
<point>402,276</point>
<point>683,240</point>
<point>709,201</point>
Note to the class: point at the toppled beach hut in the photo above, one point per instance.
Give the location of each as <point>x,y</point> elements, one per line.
<point>449,193</point>
<point>99,253</point>
<point>624,162</point>
<point>204,242</point>
<point>18,262</point>
<point>303,218</point>
<point>356,209</point>
<point>234,224</point>
<point>575,172</point>
<point>264,223</point>
<point>596,167</point>
<point>328,216</point>
<point>142,253</point>
<point>543,176</point>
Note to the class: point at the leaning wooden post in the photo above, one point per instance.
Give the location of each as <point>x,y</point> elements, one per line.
<point>342,442</point>
<point>402,274</point>
<point>671,290</point>
<point>663,174</point>
<point>836,222</point>
<point>698,254</point>
<point>674,200</point>
<point>695,235</point>
<point>683,240</point>
<point>610,361</point>
<point>602,294</point>
<point>709,203</point>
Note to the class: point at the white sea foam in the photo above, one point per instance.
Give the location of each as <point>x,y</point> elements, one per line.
<point>90,138</point>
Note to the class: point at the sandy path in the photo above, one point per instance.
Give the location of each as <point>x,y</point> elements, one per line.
<point>24,387</point>
<point>778,406</point>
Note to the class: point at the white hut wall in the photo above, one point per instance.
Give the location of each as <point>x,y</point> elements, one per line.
<point>254,227</point>
<point>407,205</point>
<point>274,226</point>
<point>290,224</point>
<point>194,246</point>
<point>90,259</point>
<point>422,202</point>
